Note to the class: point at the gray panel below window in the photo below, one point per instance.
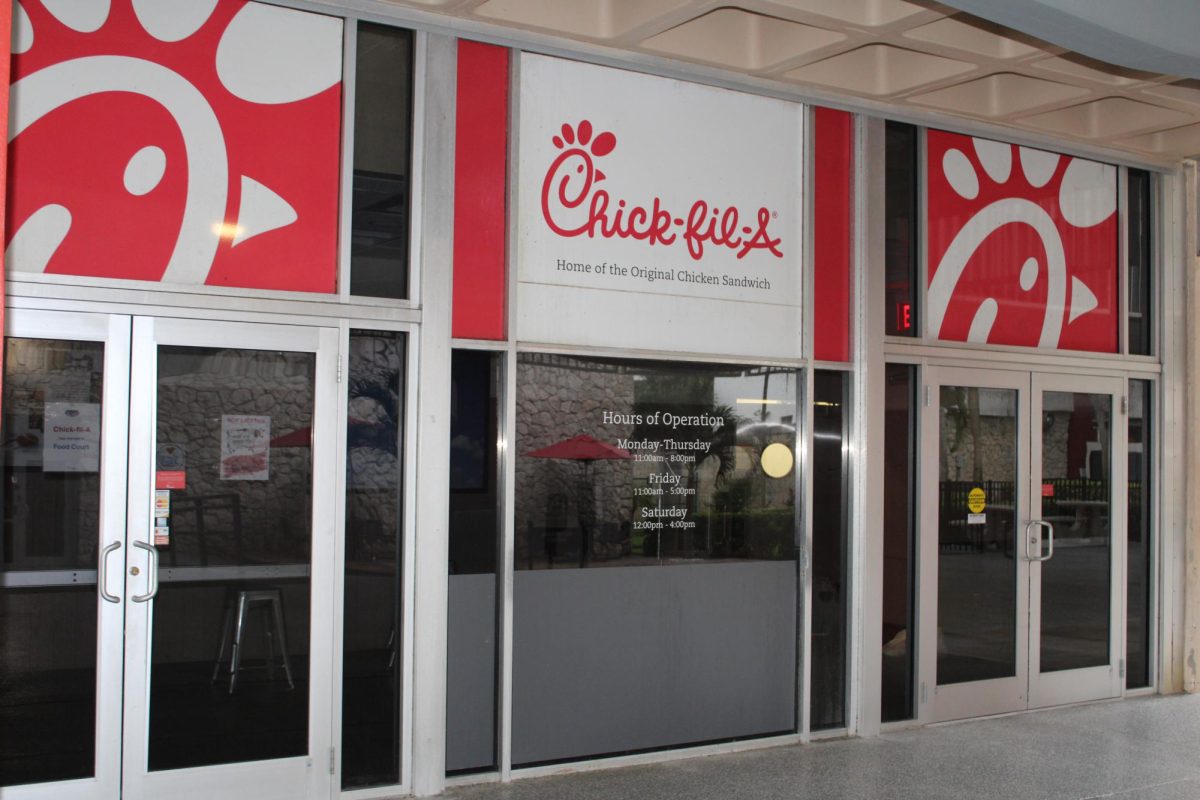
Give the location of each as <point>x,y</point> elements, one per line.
<point>607,660</point>
<point>471,673</point>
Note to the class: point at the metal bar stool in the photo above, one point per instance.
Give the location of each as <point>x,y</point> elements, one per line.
<point>270,601</point>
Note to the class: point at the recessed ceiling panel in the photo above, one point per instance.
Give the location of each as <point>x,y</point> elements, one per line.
<point>1076,66</point>
<point>740,39</point>
<point>1109,118</point>
<point>1178,142</point>
<point>1182,91</point>
<point>972,36</point>
<point>879,69</point>
<point>999,95</point>
<point>597,19</point>
<point>865,13</point>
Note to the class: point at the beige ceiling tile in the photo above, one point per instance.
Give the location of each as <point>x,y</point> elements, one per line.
<point>740,39</point>
<point>1181,91</point>
<point>1077,66</point>
<point>1108,118</point>
<point>865,13</point>
<point>972,35</point>
<point>1179,142</point>
<point>879,69</point>
<point>999,95</point>
<point>598,19</point>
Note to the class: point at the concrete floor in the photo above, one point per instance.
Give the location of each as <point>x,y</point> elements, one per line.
<point>1139,748</point>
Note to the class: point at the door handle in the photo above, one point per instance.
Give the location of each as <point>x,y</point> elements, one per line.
<point>1031,539</point>
<point>152,577</point>
<point>102,572</point>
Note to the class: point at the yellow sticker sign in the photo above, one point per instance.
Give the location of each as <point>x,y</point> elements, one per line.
<point>976,500</point>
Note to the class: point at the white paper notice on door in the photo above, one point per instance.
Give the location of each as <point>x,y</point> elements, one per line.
<point>245,447</point>
<point>71,440</point>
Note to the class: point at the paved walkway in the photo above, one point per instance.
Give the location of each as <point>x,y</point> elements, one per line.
<point>1145,748</point>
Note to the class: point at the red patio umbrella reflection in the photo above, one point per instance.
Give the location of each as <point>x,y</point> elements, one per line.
<point>302,437</point>
<point>585,449</point>
<point>580,448</point>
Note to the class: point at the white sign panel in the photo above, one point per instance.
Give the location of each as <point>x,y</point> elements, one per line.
<point>656,214</point>
<point>71,441</point>
<point>245,447</point>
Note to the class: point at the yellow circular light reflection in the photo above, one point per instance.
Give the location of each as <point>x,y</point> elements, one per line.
<point>777,460</point>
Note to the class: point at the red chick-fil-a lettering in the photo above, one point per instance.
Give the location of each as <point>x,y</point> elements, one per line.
<point>573,206</point>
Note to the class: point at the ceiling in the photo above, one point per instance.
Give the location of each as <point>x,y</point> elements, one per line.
<point>1159,36</point>
<point>913,54</point>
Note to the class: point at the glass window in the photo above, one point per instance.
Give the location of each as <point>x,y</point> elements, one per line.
<point>831,507</point>
<point>382,162</point>
<point>474,542</point>
<point>652,462</point>
<point>372,635</point>
<point>1138,630</point>
<point>976,570</point>
<point>1140,269</point>
<point>49,540</point>
<point>655,598</point>
<point>900,228</point>
<point>231,622</point>
<point>1076,584</point>
<point>899,542</point>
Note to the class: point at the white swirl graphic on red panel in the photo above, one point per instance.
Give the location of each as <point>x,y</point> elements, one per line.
<point>1022,246</point>
<point>162,140</point>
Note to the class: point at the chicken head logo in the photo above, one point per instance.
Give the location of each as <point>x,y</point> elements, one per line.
<point>1022,246</point>
<point>184,141</point>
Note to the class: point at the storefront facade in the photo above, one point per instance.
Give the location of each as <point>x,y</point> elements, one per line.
<point>387,407</point>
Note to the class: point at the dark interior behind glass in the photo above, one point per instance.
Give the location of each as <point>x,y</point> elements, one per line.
<point>475,381</point>
<point>668,469</point>
<point>899,542</point>
<point>371,648</point>
<point>230,647</point>
<point>900,229</point>
<point>1138,632</point>
<point>1140,254</point>
<point>382,162</point>
<point>49,540</point>
<point>830,567</point>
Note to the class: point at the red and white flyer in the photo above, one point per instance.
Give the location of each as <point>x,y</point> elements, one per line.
<point>245,447</point>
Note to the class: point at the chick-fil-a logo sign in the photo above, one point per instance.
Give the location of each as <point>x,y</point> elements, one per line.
<point>570,187</point>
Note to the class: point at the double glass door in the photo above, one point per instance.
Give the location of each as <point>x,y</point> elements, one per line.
<point>1022,539</point>
<point>166,582</point>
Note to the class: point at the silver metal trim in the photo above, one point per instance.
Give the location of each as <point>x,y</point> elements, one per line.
<point>151,576</point>
<point>231,573</point>
<point>102,572</point>
<point>1031,540</point>
<point>29,579</point>
<point>346,179</point>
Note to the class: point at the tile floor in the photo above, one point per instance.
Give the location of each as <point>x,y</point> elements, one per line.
<point>1144,748</point>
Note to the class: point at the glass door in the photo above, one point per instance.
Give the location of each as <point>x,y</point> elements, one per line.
<point>1021,541</point>
<point>184,456</point>
<point>974,597</point>
<point>1076,540</point>
<point>229,579</point>
<point>63,435</point>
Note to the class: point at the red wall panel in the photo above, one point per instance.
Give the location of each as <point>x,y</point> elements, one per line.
<point>833,136</point>
<point>480,191</point>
